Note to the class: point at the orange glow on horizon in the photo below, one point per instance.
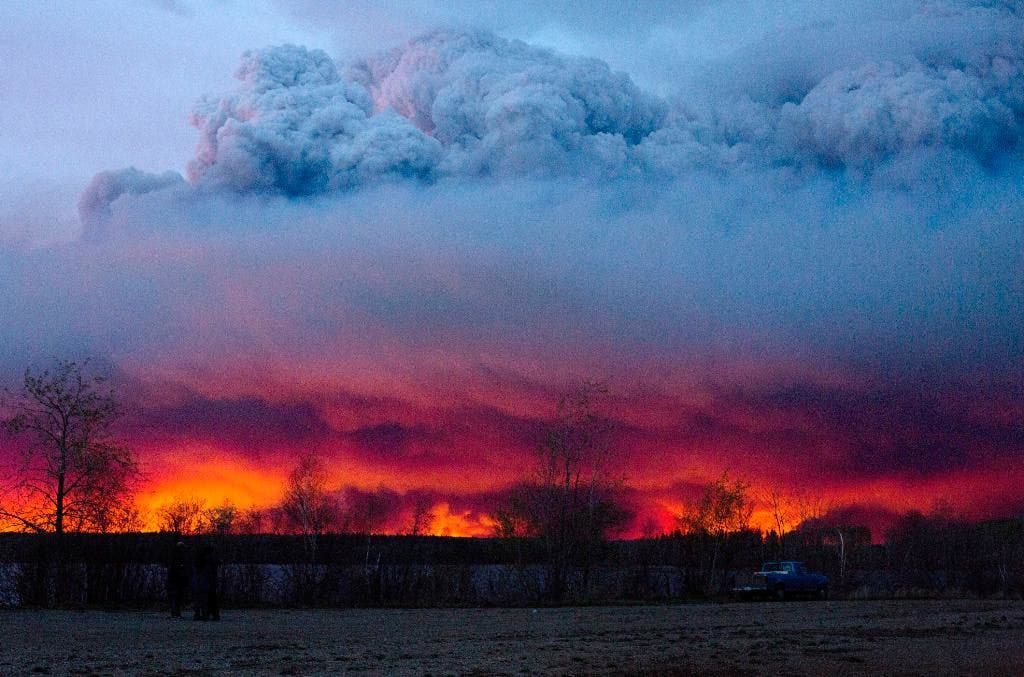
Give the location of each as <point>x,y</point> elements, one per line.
<point>215,480</point>
<point>444,522</point>
<point>222,478</point>
<point>460,497</point>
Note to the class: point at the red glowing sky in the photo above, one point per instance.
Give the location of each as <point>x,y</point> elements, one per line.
<point>463,447</point>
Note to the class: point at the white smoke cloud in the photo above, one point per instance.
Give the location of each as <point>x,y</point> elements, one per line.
<point>295,127</point>
<point>473,105</point>
<point>448,104</point>
<point>861,117</point>
<point>502,106</point>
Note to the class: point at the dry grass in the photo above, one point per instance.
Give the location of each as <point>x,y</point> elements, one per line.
<point>794,638</point>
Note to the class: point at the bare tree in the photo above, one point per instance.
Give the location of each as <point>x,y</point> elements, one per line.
<point>572,506</point>
<point>122,517</point>
<point>517,517</point>
<point>254,521</point>
<point>190,516</point>
<point>783,510</point>
<point>724,509</point>
<point>811,507</point>
<point>221,519</point>
<point>817,527</point>
<point>73,475</point>
<point>366,512</point>
<point>183,515</point>
<point>308,508</point>
<point>422,516</point>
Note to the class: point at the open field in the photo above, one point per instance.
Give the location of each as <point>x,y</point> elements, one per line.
<point>793,638</point>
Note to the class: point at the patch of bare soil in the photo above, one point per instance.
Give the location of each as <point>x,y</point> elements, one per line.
<point>959,637</point>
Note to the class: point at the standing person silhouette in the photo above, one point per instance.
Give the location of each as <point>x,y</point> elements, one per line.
<point>177,578</point>
<point>200,585</point>
<point>204,585</point>
<point>212,602</point>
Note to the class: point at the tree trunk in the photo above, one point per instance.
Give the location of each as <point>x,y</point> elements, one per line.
<point>58,521</point>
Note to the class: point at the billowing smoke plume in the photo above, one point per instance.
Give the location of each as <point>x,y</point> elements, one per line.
<point>500,107</point>
<point>475,105</point>
<point>295,127</point>
<point>444,105</point>
<point>860,117</point>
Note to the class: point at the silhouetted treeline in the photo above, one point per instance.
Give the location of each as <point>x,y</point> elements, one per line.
<point>923,555</point>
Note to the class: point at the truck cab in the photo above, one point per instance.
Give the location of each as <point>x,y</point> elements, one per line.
<point>781,579</point>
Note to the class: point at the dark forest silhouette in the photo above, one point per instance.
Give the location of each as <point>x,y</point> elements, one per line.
<point>922,556</point>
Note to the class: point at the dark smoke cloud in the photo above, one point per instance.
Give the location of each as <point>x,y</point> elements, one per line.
<point>875,430</point>
<point>247,426</point>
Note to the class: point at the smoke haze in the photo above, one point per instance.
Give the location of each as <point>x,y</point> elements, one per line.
<point>798,256</point>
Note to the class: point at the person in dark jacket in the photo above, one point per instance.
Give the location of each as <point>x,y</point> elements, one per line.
<point>212,601</point>
<point>204,585</point>
<point>200,585</point>
<point>177,578</point>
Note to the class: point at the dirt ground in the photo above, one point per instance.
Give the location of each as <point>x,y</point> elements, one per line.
<point>960,637</point>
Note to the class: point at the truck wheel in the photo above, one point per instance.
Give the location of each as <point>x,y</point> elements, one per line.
<point>823,592</point>
<point>780,594</point>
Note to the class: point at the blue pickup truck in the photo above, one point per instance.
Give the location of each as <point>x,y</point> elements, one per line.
<point>779,580</point>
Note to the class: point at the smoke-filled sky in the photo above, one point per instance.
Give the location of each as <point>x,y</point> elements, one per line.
<point>789,236</point>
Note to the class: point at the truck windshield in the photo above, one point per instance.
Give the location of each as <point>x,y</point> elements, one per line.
<point>771,566</point>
